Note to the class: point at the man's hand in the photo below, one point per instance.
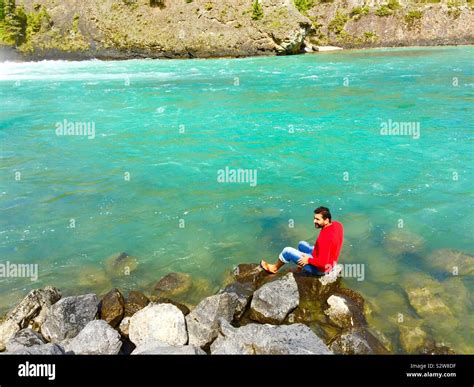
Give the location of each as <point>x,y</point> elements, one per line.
<point>303,260</point>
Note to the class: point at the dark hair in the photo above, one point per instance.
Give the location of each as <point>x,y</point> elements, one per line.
<point>324,211</point>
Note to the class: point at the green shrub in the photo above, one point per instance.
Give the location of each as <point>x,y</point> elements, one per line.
<point>383,10</point>
<point>337,24</point>
<point>257,10</point>
<point>412,16</point>
<point>358,12</point>
<point>393,5</point>
<point>304,5</point>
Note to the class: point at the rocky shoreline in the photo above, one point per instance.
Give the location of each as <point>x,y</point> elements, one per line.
<point>116,30</point>
<point>257,313</point>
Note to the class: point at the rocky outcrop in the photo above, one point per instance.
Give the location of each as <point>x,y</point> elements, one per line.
<point>158,322</point>
<point>66,318</point>
<point>30,311</point>
<point>97,338</point>
<point>203,321</point>
<point>272,302</point>
<point>256,339</point>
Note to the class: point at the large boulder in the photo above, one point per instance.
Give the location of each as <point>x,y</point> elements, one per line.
<point>160,348</point>
<point>357,342</point>
<point>66,318</point>
<point>135,301</point>
<point>23,339</point>
<point>112,307</point>
<point>97,338</point>
<point>243,292</point>
<point>30,311</point>
<point>256,339</point>
<point>203,321</point>
<point>158,322</point>
<point>272,302</point>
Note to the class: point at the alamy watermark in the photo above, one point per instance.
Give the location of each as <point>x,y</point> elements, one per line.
<point>19,270</point>
<point>400,128</point>
<point>239,175</point>
<point>75,128</point>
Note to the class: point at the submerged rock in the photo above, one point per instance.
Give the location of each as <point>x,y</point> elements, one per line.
<point>112,307</point>
<point>400,241</point>
<point>120,264</point>
<point>256,339</point>
<point>357,342</point>
<point>412,336</point>
<point>31,309</point>
<point>97,338</point>
<point>173,284</point>
<point>93,279</point>
<point>451,262</point>
<point>66,318</point>
<point>272,302</point>
<point>162,322</point>
<point>202,322</point>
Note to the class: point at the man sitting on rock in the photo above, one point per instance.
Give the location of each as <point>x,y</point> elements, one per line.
<point>320,258</point>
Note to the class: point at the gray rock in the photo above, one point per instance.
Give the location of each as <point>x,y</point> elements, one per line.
<point>66,318</point>
<point>243,292</point>
<point>203,321</point>
<point>97,338</point>
<point>275,300</point>
<point>357,342</point>
<point>30,310</point>
<point>25,338</point>
<point>43,349</point>
<point>158,322</point>
<point>267,340</point>
<point>160,348</point>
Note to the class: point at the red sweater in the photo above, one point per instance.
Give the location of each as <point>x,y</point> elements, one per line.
<point>328,246</point>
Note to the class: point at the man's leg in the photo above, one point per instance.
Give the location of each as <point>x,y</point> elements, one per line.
<point>288,254</point>
<point>305,247</point>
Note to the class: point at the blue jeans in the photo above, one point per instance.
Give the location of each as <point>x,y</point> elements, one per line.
<point>290,254</point>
